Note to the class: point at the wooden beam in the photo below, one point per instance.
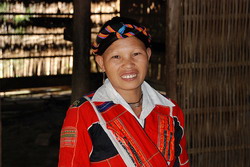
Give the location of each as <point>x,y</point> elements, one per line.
<point>10,84</point>
<point>172,31</point>
<point>81,44</point>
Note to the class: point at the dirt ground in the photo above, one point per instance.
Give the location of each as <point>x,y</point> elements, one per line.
<point>31,130</point>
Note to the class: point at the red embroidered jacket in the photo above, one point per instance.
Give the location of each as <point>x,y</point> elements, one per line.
<point>161,142</point>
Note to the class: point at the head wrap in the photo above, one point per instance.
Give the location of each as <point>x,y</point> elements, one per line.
<point>118,28</point>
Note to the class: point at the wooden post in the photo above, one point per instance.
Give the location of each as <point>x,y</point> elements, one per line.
<point>81,44</point>
<point>172,30</point>
<point>1,135</point>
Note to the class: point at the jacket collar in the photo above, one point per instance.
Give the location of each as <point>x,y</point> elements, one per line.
<point>151,98</point>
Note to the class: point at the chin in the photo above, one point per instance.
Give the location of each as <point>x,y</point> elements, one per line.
<point>132,86</point>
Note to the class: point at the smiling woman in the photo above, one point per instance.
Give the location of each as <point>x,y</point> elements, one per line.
<point>126,63</point>
<point>125,122</point>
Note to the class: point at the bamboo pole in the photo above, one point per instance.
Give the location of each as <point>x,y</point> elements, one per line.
<point>172,30</point>
<point>81,44</point>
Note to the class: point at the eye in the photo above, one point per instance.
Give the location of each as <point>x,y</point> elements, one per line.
<point>115,57</point>
<point>136,53</point>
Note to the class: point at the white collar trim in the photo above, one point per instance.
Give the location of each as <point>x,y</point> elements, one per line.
<point>151,98</point>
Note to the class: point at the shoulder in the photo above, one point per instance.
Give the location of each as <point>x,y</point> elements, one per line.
<point>168,98</point>
<point>81,101</point>
<point>177,111</point>
<point>171,100</point>
<point>81,110</point>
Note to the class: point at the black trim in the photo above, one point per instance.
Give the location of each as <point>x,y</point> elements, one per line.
<point>177,135</point>
<point>103,148</point>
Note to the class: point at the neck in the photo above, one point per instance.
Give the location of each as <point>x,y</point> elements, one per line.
<point>132,96</point>
<point>137,103</point>
<point>134,99</point>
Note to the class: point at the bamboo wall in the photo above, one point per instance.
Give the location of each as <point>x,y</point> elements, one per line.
<point>213,70</point>
<point>213,75</point>
<point>32,35</point>
<point>32,38</point>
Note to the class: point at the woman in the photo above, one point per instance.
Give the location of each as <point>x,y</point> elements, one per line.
<point>125,122</point>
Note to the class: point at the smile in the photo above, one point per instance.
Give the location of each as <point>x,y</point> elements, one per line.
<point>129,76</point>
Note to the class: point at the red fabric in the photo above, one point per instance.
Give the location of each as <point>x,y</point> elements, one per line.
<point>76,145</point>
<point>130,133</point>
<point>113,161</point>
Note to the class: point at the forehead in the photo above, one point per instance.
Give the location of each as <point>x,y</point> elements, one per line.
<point>125,44</point>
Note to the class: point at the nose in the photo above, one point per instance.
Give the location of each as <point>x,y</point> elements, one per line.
<point>128,63</point>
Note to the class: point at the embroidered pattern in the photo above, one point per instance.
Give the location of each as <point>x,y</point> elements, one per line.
<point>166,136</point>
<point>126,140</point>
<point>68,137</point>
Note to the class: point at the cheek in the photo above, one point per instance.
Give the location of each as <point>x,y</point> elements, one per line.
<point>105,66</point>
<point>110,67</point>
<point>144,65</point>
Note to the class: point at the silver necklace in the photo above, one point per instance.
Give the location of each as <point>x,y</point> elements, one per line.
<point>136,104</point>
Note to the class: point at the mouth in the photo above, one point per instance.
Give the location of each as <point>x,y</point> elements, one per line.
<point>129,76</point>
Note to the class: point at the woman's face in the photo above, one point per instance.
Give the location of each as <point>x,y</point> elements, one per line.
<point>125,62</point>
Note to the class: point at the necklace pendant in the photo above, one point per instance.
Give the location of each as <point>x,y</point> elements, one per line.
<point>136,104</point>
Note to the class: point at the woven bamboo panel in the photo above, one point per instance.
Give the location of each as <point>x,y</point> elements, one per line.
<point>213,75</point>
<point>213,71</point>
<point>33,39</point>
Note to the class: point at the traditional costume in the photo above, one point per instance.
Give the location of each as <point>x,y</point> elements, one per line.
<point>102,130</point>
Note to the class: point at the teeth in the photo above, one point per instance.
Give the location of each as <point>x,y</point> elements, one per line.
<point>128,76</point>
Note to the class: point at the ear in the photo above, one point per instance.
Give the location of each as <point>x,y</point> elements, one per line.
<point>149,52</point>
<point>99,60</point>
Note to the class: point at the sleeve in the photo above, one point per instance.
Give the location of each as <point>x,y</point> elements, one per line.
<point>75,142</point>
<point>181,158</point>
